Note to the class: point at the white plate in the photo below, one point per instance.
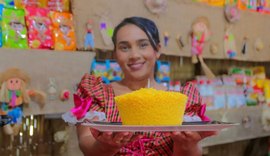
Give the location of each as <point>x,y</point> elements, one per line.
<point>196,126</point>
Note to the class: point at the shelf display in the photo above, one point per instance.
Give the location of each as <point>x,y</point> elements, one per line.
<point>14,28</point>
<point>63,29</point>
<point>39,28</point>
<point>162,71</point>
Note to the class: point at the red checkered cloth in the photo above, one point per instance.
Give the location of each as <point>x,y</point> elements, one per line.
<point>153,143</point>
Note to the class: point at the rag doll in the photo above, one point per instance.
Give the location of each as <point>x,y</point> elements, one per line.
<point>14,94</point>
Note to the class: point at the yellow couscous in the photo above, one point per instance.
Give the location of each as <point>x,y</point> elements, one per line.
<point>148,106</point>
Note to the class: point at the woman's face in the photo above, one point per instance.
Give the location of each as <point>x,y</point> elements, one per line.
<point>134,53</point>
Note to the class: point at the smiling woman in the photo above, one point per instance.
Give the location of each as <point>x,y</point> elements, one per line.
<point>136,45</point>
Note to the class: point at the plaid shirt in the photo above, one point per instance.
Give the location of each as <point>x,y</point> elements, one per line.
<point>153,143</point>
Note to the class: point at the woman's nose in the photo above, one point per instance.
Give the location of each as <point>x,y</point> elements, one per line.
<point>134,53</point>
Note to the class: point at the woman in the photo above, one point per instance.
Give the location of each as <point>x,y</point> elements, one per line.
<point>136,45</point>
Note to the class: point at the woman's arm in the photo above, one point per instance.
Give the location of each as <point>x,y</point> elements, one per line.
<point>89,146</point>
<point>94,142</point>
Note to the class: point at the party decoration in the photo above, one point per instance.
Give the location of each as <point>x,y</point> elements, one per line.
<point>244,46</point>
<point>179,41</point>
<point>156,6</point>
<point>64,33</point>
<point>213,48</point>
<point>199,35</point>
<point>258,45</point>
<point>106,29</point>
<point>52,89</point>
<point>89,42</point>
<point>229,44</point>
<point>14,94</point>
<point>166,38</point>
<point>39,28</point>
<point>65,95</point>
<point>14,28</point>
<point>232,13</point>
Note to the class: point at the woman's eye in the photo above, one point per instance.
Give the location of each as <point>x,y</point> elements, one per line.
<point>124,48</point>
<point>143,45</point>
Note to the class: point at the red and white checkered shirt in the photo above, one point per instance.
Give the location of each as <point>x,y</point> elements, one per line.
<point>153,143</point>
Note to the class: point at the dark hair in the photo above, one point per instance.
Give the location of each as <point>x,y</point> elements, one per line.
<point>146,25</point>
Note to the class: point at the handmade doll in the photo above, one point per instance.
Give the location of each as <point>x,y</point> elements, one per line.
<point>89,37</point>
<point>199,35</point>
<point>14,94</point>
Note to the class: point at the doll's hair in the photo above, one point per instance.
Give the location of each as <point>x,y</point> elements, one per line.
<point>4,93</point>
<point>201,19</point>
<point>146,25</point>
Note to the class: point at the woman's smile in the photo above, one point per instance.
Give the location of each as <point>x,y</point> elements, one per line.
<point>136,66</point>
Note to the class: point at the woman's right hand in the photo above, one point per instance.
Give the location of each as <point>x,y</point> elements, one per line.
<point>114,140</point>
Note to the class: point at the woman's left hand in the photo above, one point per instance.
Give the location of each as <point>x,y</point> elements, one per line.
<point>190,137</point>
<point>186,143</point>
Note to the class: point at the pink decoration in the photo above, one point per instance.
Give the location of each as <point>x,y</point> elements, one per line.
<point>81,106</point>
<point>197,44</point>
<point>202,113</point>
<point>65,95</point>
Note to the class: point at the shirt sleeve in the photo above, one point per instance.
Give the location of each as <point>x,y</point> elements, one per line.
<point>91,86</point>
<point>194,102</point>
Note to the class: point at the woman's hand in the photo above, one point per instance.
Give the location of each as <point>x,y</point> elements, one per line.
<point>114,140</point>
<point>186,143</point>
<point>191,137</point>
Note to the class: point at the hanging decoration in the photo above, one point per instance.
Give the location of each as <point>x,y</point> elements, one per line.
<point>199,35</point>
<point>106,29</point>
<point>232,13</point>
<point>213,48</point>
<point>166,38</point>
<point>14,94</point>
<point>89,42</point>
<point>229,44</point>
<point>244,46</point>
<point>156,6</point>
<point>179,41</point>
<point>258,45</point>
